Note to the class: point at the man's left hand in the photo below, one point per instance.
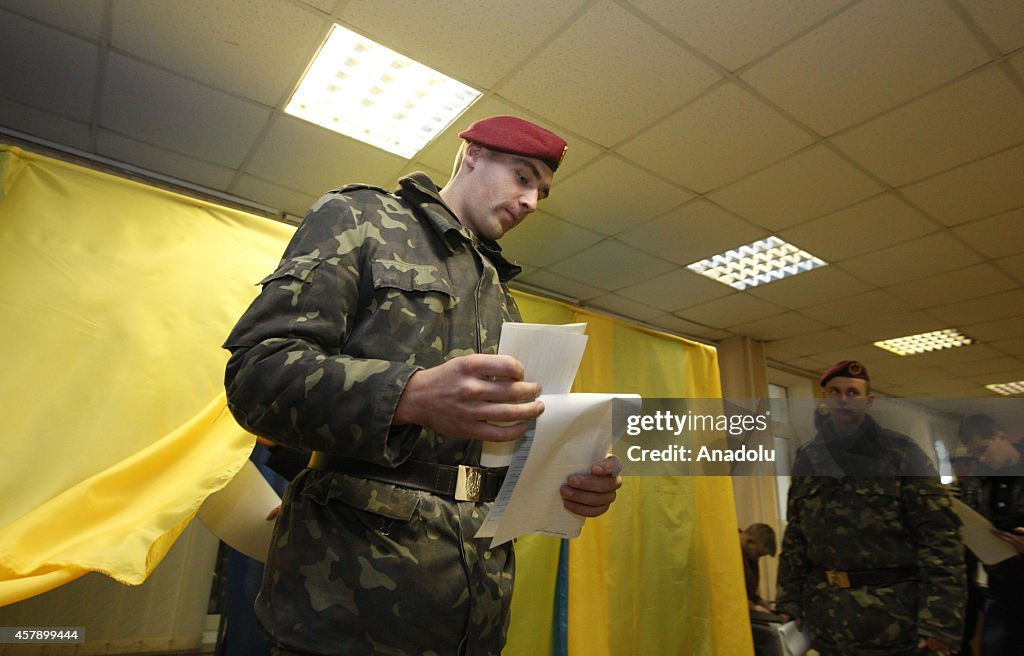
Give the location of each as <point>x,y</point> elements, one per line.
<point>591,494</point>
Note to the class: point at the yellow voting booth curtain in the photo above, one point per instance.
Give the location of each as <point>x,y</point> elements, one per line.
<point>661,572</point>
<point>115,298</point>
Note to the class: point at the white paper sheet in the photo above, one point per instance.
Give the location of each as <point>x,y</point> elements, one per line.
<point>574,432</point>
<point>550,355</point>
<point>237,514</point>
<point>977,535</point>
<point>794,641</point>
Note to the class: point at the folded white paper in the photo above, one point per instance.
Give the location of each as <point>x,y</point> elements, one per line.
<point>237,514</point>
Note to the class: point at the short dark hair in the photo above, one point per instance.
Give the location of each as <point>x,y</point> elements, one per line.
<point>763,537</point>
<point>981,426</point>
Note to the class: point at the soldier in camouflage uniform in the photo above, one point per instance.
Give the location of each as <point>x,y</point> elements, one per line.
<point>373,344</point>
<point>871,557</point>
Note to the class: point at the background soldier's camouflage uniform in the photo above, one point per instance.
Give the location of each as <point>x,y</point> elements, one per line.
<point>372,287</point>
<point>886,515</point>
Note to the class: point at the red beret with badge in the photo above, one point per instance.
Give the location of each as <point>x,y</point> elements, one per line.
<point>510,134</point>
<point>846,369</point>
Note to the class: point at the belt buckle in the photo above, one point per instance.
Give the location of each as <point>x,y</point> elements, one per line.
<point>837,579</point>
<point>469,483</point>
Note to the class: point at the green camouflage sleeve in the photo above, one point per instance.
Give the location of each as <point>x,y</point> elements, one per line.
<point>794,565</point>
<point>288,378</point>
<point>930,519</point>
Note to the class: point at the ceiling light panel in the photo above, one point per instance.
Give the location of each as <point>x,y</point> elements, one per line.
<point>757,263</point>
<point>925,342</point>
<point>1007,389</point>
<point>368,92</point>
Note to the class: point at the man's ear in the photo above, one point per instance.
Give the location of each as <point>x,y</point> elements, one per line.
<point>472,155</point>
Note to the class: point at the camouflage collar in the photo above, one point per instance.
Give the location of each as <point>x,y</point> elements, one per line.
<point>420,191</point>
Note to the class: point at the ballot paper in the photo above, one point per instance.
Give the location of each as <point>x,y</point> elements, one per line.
<point>574,432</point>
<point>977,535</point>
<point>794,641</point>
<point>237,514</point>
<point>550,355</point>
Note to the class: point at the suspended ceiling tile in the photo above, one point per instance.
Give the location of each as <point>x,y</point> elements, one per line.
<point>779,326</point>
<point>589,200</point>
<point>810,288</point>
<point>959,123</point>
<point>1013,265</point>
<point>624,307</point>
<point>866,60</point>
<point>1017,64</point>
<point>675,290</point>
<point>813,182</point>
<point>44,125</point>
<point>611,265</point>
<point>1012,346</point>
<point>996,236</point>
<point>873,358</point>
<point>722,136</point>
<point>154,106</point>
<point>613,73</point>
<point>952,286</point>
<point>307,157</point>
<point>542,239</point>
<point>441,35</point>
<point>821,341</point>
<point>674,324</point>
<point>82,17</point>
<point>45,69</point>
<point>854,307</point>
<point>984,308</point>
<point>153,158</point>
<point>988,186</point>
<point>875,223</point>
<point>983,370</point>
<point>876,328</point>
<point>1001,20</point>
<point>692,232</point>
<point>275,196</point>
<point>735,33</point>
<point>925,256</point>
<point>732,310</point>
<point>252,49</point>
<point>552,282</point>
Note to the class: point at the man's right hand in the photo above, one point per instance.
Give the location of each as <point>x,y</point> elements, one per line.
<point>469,396</point>
<point>789,618</point>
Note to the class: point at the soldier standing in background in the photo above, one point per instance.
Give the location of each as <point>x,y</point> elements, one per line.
<point>871,559</point>
<point>374,345</point>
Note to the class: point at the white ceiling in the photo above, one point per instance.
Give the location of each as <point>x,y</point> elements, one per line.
<point>884,136</point>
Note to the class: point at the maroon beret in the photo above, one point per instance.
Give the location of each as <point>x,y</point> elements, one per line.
<point>510,134</point>
<point>846,369</point>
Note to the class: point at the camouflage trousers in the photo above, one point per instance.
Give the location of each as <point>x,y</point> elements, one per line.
<point>360,567</point>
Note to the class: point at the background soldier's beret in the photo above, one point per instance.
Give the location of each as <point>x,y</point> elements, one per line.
<point>846,369</point>
<point>510,134</point>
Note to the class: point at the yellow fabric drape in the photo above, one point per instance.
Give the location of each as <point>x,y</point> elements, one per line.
<point>661,572</point>
<point>115,298</point>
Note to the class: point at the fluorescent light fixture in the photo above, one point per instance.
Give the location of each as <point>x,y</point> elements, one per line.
<point>925,342</point>
<point>757,263</point>
<point>1007,389</point>
<point>371,93</point>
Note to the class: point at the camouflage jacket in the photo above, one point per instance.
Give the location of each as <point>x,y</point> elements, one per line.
<point>372,287</point>
<point>893,517</point>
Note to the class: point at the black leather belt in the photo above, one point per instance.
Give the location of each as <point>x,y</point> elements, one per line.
<point>459,482</point>
<point>865,577</point>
